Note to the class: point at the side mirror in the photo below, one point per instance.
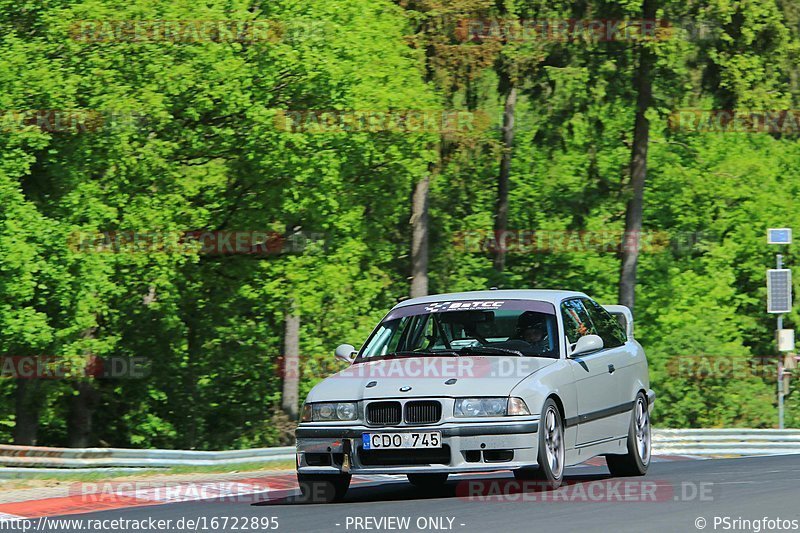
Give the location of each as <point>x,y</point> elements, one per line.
<point>345,352</point>
<point>586,344</point>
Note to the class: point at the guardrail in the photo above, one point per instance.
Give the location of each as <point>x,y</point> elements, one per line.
<point>722,442</point>
<point>44,457</point>
<point>705,442</point>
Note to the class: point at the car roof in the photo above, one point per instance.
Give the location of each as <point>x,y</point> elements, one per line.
<point>542,295</point>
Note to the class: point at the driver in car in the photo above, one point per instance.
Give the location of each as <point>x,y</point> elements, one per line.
<point>531,330</point>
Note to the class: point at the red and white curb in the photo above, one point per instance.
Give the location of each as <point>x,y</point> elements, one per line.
<point>88,497</point>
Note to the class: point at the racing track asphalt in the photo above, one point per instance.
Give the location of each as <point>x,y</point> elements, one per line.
<point>748,488</point>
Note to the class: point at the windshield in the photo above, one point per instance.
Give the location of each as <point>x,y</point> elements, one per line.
<point>492,328</point>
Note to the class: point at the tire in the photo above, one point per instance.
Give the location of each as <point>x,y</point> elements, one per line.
<point>551,449</point>
<point>323,488</point>
<point>427,481</point>
<point>636,461</point>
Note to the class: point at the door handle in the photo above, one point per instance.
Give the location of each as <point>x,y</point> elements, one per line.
<point>611,369</point>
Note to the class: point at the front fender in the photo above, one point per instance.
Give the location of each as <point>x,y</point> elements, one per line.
<point>555,380</point>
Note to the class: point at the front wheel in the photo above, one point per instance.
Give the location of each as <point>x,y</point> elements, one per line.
<point>323,488</point>
<point>427,481</point>
<point>636,461</point>
<point>551,449</point>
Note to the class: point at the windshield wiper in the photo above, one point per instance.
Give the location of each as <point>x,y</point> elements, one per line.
<point>490,350</point>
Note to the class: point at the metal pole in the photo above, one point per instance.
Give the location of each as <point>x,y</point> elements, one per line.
<point>780,392</point>
<point>779,262</point>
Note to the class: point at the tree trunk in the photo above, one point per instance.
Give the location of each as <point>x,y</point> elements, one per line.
<point>291,360</point>
<point>26,424</point>
<point>420,225</point>
<point>81,410</point>
<point>82,406</point>
<point>638,171</point>
<point>501,208</point>
<point>190,380</point>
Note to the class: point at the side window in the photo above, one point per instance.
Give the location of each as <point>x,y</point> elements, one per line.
<point>576,321</point>
<point>607,326</point>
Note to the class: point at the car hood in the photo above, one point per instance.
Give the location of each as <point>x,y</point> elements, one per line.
<point>428,376</point>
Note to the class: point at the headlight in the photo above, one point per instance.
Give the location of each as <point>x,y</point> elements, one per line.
<point>326,412</point>
<point>346,411</point>
<point>470,407</point>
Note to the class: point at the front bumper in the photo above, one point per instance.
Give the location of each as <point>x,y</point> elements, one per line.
<point>466,447</point>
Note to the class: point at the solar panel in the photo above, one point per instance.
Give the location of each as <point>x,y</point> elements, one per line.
<point>779,290</point>
<point>779,236</point>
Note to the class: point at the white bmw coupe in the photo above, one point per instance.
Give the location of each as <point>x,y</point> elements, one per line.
<point>525,380</point>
